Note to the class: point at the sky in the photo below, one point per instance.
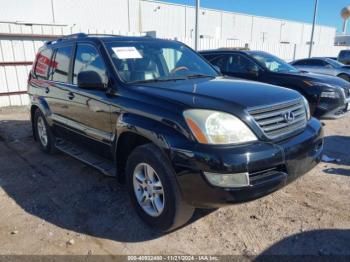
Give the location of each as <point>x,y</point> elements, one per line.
<point>298,10</point>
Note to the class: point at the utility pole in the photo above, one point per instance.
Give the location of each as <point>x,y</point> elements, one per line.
<point>53,12</point>
<point>196,40</point>
<point>313,28</point>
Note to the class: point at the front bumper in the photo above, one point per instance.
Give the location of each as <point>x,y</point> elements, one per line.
<point>270,167</point>
<point>329,108</point>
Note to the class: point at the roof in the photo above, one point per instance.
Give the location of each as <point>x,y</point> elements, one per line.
<point>231,50</point>
<point>102,37</point>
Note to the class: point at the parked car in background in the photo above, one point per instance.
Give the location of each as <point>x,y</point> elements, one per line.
<point>344,57</point>
<point>328,96</point>
<point>323,65</point>
<point>155,114</point>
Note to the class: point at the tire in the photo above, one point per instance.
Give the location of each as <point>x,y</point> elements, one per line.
<point>40,125</point>
<point>175,212</point>
<point>345,77</point>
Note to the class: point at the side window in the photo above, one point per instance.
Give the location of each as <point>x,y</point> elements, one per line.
<point>300,63</point>
<point>60,66</point>
<point>239,64</point>
<point>316,62</point>
<point>43,63</point>
<point>87,58</point>
<point>221,62</point>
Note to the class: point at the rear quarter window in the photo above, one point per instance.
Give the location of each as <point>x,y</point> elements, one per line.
<point>61,63</point>
<point>43,64</point>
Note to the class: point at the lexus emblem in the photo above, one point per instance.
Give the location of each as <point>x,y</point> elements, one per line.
<point>289,117</point>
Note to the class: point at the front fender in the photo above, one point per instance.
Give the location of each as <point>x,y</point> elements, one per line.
<point>163,134</point>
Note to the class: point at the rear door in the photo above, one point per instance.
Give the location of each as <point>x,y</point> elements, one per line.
<point>59,87</point>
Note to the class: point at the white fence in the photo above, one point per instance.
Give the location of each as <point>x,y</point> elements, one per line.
<point>18,46</point>
<point>288,52</point>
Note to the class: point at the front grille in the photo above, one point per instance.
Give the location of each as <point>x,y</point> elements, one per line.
<point>280,120</point>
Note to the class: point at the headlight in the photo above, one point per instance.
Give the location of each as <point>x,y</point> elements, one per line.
<point>315,83</point>
<point>307,108</point>
<point>330,94</point>
<point>212,127</point>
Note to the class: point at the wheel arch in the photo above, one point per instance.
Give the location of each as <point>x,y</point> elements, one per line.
<point>133,131</point>
<point>345,74</point>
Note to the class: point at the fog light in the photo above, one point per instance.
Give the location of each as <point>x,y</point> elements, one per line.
<point>228,180</point>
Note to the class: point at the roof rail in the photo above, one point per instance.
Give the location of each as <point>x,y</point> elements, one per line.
<point>66,37</point>
<point>77,35</point>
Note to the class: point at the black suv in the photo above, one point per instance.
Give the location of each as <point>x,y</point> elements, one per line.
<point>328,96</point>
<point>155,114</point>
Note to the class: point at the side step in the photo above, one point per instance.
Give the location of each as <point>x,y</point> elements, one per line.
<point>103,165</point>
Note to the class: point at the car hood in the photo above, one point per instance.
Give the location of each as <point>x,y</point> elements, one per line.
<point>326,79</point>
<point>217,93</point>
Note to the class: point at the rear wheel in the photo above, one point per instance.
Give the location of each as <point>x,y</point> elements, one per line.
<point>154,191</point>
<point>43,133</point>
<point>345,77</point>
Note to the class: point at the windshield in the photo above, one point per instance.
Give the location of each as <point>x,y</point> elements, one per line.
<point>273,63</point>
<point>334,63</point>
<point>151,61</point>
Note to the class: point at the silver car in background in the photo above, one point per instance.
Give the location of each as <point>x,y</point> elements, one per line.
<point>323,65</point>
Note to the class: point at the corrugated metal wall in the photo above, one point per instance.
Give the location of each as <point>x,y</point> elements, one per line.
<point>16,57</point>
<point>19,42</point>
<point>169,20</point>
<point>18,46</point>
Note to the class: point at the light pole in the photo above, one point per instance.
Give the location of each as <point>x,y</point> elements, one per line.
<point>196,40</point>
<point>313,28</point>
<point>53,12</point>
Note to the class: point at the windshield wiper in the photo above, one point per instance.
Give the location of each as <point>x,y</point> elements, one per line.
<point>199,76</point>
<point>157,80</point>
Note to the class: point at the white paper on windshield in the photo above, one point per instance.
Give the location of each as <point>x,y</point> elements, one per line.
<point>129,52</point>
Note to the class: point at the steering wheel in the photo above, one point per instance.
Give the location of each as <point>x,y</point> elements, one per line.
<point>177,69</point>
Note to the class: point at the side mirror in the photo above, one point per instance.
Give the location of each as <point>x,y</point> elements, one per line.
<point>329,66</point>
<point>90,80</point>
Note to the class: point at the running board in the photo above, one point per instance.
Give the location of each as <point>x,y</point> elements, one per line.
<point>103,165</point>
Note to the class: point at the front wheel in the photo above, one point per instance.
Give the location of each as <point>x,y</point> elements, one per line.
<point>154,191</point>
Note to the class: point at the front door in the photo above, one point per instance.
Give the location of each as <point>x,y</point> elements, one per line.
<point>90,109</point>
<point>237,65</point>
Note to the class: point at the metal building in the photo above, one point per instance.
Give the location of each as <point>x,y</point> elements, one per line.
<point>168,20</point>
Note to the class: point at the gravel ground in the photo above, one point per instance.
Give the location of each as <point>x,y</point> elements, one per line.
<point>53,204</point>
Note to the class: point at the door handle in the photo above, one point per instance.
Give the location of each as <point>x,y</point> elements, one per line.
<point>71,95</point>
<point>47,90</point>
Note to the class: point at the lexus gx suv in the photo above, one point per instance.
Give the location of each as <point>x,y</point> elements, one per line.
<point>161,119</point>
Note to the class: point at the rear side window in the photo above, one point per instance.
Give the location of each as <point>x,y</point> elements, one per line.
<point>300,63</point>
<point>43,63</point>
<point>316,62</point>
<point>87,58</point>
<point>60,66</point>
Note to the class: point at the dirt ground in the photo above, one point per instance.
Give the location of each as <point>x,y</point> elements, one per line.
<point>53,204</point>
